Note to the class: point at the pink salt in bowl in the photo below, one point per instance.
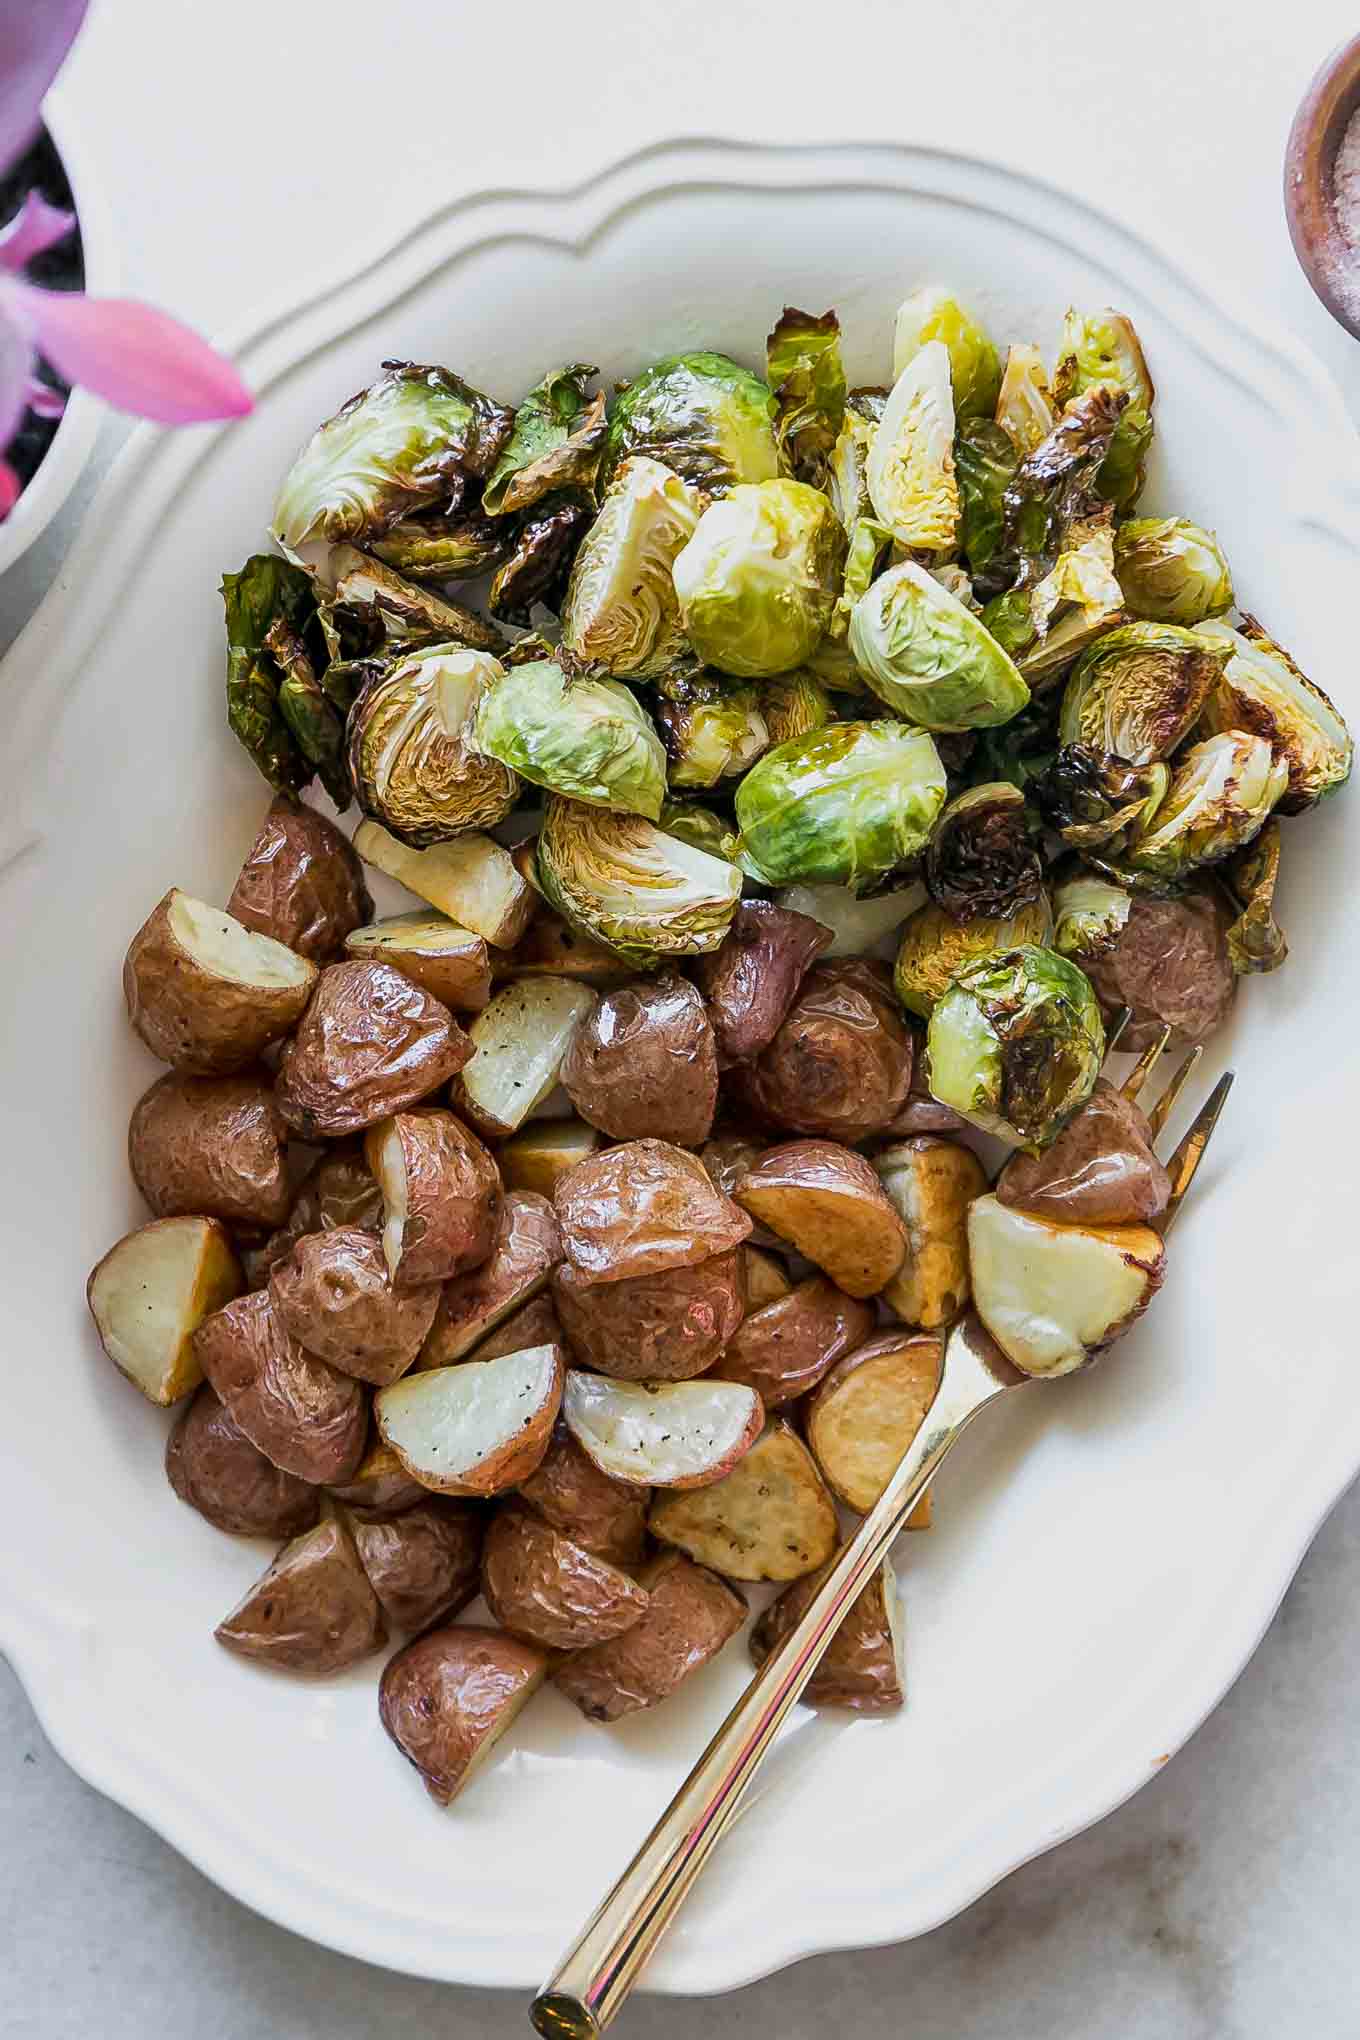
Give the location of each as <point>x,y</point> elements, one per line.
<point>1322,185</point>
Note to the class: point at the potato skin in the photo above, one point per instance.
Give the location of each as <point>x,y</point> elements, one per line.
<point>664,1327</point>
<point>424,1564</point>
<point>1101,1169</point>
<point>369,1044</point>
<point>751,979</point>
<point>194,1020</point>
<point>302,1414</point>
<point>783,1349</point>
<point>570,1492</point>
<point>642,1207</point>
<point>302,883</point>
<point>446,1697</point>
<point>827,1202</point>
<point>690,1615</point>
<point>1170,964</point>
<point>212,1465</point>
<point>380,1484</point>
<point>859,1668</point>
<point>840,1065</point>
<point>534,1324</point>
<point>645,1064</point>
<point>338,1192</point>
<point>527,1248</point>
<point>334,1297</point>
<point>313,1611</point>
<point>453,1195</point>
<point>544,1587</point>
<point>212,1147</point>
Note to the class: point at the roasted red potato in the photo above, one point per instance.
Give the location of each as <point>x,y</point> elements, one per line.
<point>447,1698</point>
<point>213,1147</point>
<point>537,1156</point>
<point>862,1667</point>
<point>839,1066</point>
<point>449,962</point>
<point>1170,964</point>
<point>206,994</point>
<point>301,883</point>
<point>335,1297</point>
<point>542,1585</point>
<point>664,1327</point>
<point>312,1612</point>
<point>771,1518</point>
<point>534,1324</point>
<point>478,1427</point>
<point>424,1564</point>
<point>1100,1170</point>
<point>644,1064</point>
<point>931,1183</point>
<point>752,978</point>
<point>640,1208</point>
<point>527,1248</point>
<point>867,1411</point>
<point>304,1415</point>
<point>677,1434</point>
<point>441,1195</point>
<point>212,1465</point>
<point>152,1291</point>
<point>1054,1295</point>
<point>783,1349</point>
<point>829,1204</point>
<point>690,1615</point>
<point>370,1044</point>
<point>568,1490</point>
<point>379,1483</point>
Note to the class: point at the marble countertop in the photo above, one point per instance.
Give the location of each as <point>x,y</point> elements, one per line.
<point>1224,1901</point>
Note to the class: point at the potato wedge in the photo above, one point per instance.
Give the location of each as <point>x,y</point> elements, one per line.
<point>312,1612</point>
<point>867,1411</point>
<point>447,1698</point>
<point>678,1434</point>
<point>301,883</point>
<point>379,1483</point>
<point>152,1291</point>
<point>534,1324</point>
<point>569,1491</point>
<point>211,1147</point>
<point>690,1615</point>
<point>641,1207</point>
<point>1052,1295</point>
<point>829,1204</point>
<point>784,1349</point>
<point>335,1297</point>
<point>550,947</point>
<point>305,1416</point>
<point>206,994</point>
<point>839,1066</point>
<point>449,962</point>
<point>478,1427</point>
<point>441,1196</point>
<point>668,1326</point>
<point>1101,1169</point>
<point>730,1156</point>
<point>370,1044</point>
<point>212,1465</point>
<point>751,979</point>
<point>424,1564</point>
<point>536,1156</point>
<point>765,1278</point>
<point>471,879</point>
<point>862,1667</point>
<point>771,1518</point>
<point>527,1248</point>
<point>930,1184</point>
<point>518,1044</point>
<point>644,1063</point>
<point>543,1586</point>
<point>337,1193</point>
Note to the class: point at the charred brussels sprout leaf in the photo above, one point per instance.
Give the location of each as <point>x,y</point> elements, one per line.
<point>910,465</point>
<point>412,757</point>
<point>930,658</point>
<point>540,560</point>
<point>1055,484</point>
<point>1171,571</point>
<point>1021,750</point>
<point>975,372</point>
<point>1096,801</point>
<point>714,737</point>
<point>1024,407</point>
<point>442,548</point>
<point>710,420</point>
<point>406,443</point>
<point>757,582</point>
<point>621,616</point>
<point>588,739</point>
<point>1015,1044</point>
<point>627,884</point>
<point>803,365</point>
<point>557,444</point>
<point>1261,689</point>
<point>266,592</point>
<point>1077,601</point>
<point>1089,916</point>
<point>844,806</point>
<point>935,947</point>
<point>985,463</point>
<point>1221,792</point>
<point>399,612</point>
<point>793,705</point>
<point>982,857</point>
<point>317,729</point>
<point>1100,350</point>
<point>1256,941</point>
<point>1139,690</point>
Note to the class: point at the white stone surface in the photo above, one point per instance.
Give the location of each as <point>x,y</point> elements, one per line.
<point>250,148</point>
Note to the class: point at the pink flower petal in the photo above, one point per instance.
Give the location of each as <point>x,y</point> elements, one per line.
<point>133,356</point>
<point>34,38</point>
<point>36,227</point>
<point>10,486</point>
<point>16,366</point>
<point>43,400</point>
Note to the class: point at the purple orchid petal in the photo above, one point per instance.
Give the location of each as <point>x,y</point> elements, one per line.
<point>36,227</point>
<point>16,366</point>
<point>34,38</point>
<point>132,355</point>
<point>43,400</point>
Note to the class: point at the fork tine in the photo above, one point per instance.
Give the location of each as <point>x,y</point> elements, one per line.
<point>1177,1082</point>
<point>1145,1065</point>
<point>1190,1152</point>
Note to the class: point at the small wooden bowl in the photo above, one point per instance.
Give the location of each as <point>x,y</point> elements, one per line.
<point>1327,258</point>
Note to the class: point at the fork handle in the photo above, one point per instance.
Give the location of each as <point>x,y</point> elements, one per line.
<point>590,1984</point>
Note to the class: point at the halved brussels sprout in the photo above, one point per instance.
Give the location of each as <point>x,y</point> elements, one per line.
<point>407,442</point>
<point>1095,801</point>
<point>627,884</point>
<point>267,591</point>
<point>1171,571</point>
<point>1077,601</point>
<point>1256,941</point>
<point>700,827</point>
<point>982,858</point>
<point>713,736</point>
<point>557,443</point>
<point>1015,1044</point>
<point>935,947</point>
<point>928,657</point>
<point>846,483</point>
<point>793,705</point>
<point>403,612</point>
<point>1262,689</point>
<point>757,582</point>
<point>545,543</point>
<point>1139,690</point>
<point>588,739</point>
<point>844,806</point>
<point>1101,349</point>
<point>1024,407</point>
<point>710,420</point>
<point>1220,795</point>
<point>442,548</point>
<point>415,766</point>
<point>975,372</point>
<point>621,616</point>
<point>1054,487</point>
<point>1089,916</point>
<point>910,465</point>
<point>803,367</point>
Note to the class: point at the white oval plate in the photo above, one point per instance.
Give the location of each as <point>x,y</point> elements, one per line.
<point>1108,1550</point>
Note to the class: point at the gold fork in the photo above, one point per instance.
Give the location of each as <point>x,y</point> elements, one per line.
<point>590,1984</point>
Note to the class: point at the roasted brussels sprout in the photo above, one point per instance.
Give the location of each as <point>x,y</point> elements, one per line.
<point>408,442</point>
<point>845,481</point>
<point>710,420</point>
<point>1171,571</point>
<point>1078,600</point>
<point>975,372</point>
<point>757,582</point>
<point>985,464</point>
<point>1096,801</point>
<point>621,616</point>
<point>557,443</point>
<point>545,544</point>
<point>442,548</point>
<point>1220,795</point>
<point>1261,689</point>
<point>1024,407</point>
<point>1167,960</point>
<point>846,805</point>
<point>793,705</point>
<point>1054,487</point>
<point>268,606</point>
<point>1015,1044</point>
<point>930,658</point>
<point>400,612</point>
<point>712,737</point>
<point>1099,350</point>
<point>589,739</point>
<point>910,465</point>
<point>982,858</point>
<point>1256,941</point>
<point>1139,690</point>
<point>628,885</point>
<point>803,365</point>
<point>1089,915</point>
<point>701,828</point>
<point>935,947</point>
<point>415,766</point>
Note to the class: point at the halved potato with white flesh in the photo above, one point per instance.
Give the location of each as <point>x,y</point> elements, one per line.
<point>470,878</point>
<point>827,1202</point>
<point>449,961</point>
<point>1051,1295</point>
<point>931,1183</point>
<point>675,1434</point>
<point>862,1665</point>
<point>771,1518</point>
<point>519,1043</point>
<point>478,1427</point>
<point>441,1195</point>
<point>151,1292</point>
<point>207,994</point>
<point>534,1158</point>
<point>766,1280</point>
<point>867,1411</point>
<point>527,1248</point>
